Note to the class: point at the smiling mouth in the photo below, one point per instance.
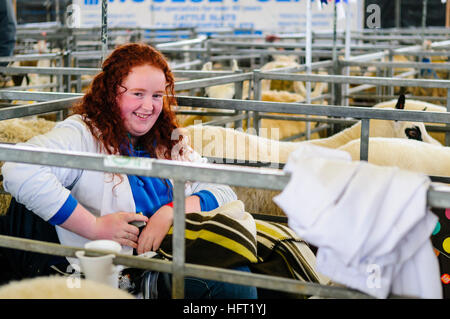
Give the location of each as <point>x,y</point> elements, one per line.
<point>142,116</point>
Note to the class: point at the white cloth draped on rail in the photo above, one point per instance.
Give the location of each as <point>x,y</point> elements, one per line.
<point>371,224</point>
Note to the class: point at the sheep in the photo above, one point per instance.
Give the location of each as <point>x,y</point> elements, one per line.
<point>219,142</point>
<point>415,105</point>
<point>286,61</point>
<point>285,128</point>
<point>212,141</point>
<point>280,91</point>
<point>58,287</point>
<point>224,91</point>
<point>281,96</point>
<point>234,144</point>
<point>408,154</point>
<point>381,128</point>
<point>280,61</point>
<point>378,128</point>
<point>20,130</point>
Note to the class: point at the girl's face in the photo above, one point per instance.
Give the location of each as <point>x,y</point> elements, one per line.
<point>142,101</point>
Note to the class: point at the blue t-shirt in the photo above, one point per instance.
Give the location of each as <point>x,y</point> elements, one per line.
<point>149,194</point>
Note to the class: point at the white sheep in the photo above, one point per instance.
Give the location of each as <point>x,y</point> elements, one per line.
<point>227,91</point>
<point>285,128</point>
<point>234,144</point>
<point>383,128</point>
<point>407,154</point>
<point>223,91</point>
<point>20,130</point>
<point>372,70</point>
<point>280,91</point>
<point>289,61</point>
<point>280,61</point>
<point>58,287</point>
<point>415,105</point>
<point>220,142</point>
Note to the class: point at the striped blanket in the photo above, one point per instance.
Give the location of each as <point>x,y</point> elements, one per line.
<point>224,237</point>
<point>282,253</point>
<point>229,237</point>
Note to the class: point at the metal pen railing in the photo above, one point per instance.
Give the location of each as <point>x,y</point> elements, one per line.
<point>181,172</point>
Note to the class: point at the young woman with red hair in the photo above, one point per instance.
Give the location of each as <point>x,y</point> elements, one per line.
<point>126,111</point>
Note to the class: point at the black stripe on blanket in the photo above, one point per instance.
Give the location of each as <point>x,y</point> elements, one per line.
<point>282,253</point>
<point>217,240</point>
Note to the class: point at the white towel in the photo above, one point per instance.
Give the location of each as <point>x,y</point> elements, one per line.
<point>371,223</point>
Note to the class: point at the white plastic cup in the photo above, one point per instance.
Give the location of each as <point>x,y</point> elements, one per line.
<point>104,244</point>
<point>100,268</point>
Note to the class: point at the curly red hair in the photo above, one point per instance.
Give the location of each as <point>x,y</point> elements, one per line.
<point>102,114</point>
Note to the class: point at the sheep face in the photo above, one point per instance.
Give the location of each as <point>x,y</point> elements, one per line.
<point>415,105</point>
<point>411,130</point>
<point>408,130</point>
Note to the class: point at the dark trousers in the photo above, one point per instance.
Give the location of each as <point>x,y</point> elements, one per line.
<point>19,264</point>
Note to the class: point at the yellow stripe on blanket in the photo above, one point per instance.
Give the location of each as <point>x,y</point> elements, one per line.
<point>225,237</point>
<point>270,231</point>
<point>222,241</point>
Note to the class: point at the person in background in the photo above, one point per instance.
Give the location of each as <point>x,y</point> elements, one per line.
<point>8,27</point>
<point>7,35</point>
<point>126,111</point>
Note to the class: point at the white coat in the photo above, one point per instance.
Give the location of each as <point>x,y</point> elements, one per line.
<point>371,224</point>
<point>44,189</point>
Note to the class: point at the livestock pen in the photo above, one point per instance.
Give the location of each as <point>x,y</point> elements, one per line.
<point>341,79</point>
<point>239,110</point>
<point>438,194</point>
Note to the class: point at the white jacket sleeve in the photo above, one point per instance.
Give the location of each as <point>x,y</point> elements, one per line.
<point>43,189</point>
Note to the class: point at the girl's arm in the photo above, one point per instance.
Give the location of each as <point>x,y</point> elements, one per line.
<point>159,224</point>
<point>112,226</point>
<point>207,195</point>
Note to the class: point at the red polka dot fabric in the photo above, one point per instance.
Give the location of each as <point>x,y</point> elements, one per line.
<point>441,243</point>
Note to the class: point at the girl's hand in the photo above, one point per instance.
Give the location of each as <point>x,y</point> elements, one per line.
<point>156,229</point>
<point>116,227</point>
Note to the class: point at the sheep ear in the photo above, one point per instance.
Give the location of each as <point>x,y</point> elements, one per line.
<point>400,102</point>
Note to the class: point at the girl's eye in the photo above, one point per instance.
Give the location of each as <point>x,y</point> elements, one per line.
<point>138,94</point>
<point>157,96</point>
